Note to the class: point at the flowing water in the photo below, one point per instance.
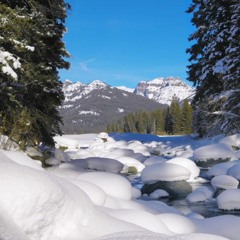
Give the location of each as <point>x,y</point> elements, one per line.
<point>207,209</point>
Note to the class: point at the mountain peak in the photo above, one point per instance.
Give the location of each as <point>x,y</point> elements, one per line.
<point>97,84</point>
<point>162,90</point>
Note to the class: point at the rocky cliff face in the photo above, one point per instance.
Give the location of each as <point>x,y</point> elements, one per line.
<point>162,90</point>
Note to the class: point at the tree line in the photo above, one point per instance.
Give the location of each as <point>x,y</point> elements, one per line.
<point>173,120</point>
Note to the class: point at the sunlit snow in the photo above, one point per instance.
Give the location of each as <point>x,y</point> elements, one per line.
<point>86,194</point>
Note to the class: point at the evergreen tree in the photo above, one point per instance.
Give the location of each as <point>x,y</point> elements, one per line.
<point>186,120</point>
<point>31,52</point>
<point>175,113</point>
<point>215,66</point>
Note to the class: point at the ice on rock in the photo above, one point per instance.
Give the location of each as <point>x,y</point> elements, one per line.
<point>213,151</point>
<point>224,182</point>
<point>200,194</point>
<point>188,164</point>
<point>229,199</point>
<point>165,172</point>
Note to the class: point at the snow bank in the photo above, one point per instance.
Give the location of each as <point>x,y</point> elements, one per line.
<point>141,218</point>
<point>46,207</point>
<point>112,184</point>
<point>165,172</point>
<point>21,158</point>
<point>155,236</point>
<point>177,223</point>
<point>226,226</point>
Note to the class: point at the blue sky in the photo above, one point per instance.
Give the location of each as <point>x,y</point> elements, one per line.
<point>122,42</point>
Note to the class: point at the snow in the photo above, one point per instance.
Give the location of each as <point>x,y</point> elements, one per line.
<point>162,90</point>
<point>221,168</point>
<point>200,194</point>
<point>158,194</point>
<point>229,199</point>
<point>68,201</point>
<point>5,59</point>
<point>188,164</point>
<point>165,172</point>
<point>214,151</point>
<point>95,163</point>
<point>224,182</point>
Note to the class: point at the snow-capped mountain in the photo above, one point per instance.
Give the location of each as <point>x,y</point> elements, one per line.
<point>90,107</point>
<point>162,90</point>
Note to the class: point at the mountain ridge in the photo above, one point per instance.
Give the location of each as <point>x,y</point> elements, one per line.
<point>91,107</point>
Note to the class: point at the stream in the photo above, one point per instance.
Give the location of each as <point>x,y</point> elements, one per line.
<point>207,208</point>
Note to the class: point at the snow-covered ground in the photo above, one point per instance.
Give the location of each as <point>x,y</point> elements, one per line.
<point>87,194</point>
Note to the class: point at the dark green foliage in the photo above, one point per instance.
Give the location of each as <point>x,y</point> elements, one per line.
<point>31,33</point>
<point>215,67</point>
<point>173,120</point>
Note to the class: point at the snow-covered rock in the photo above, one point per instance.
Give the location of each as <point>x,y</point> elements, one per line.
<point>188,164</point>
<point>158,194</point>
<point>224,182</point>
<point>221,168</point>
<point>153,160</point>
<point>95,163</point>
<point>200,194</point>
<point>229,199</point>
<point>212,154</point>
<point>234,171</point>
<point>165,172</point>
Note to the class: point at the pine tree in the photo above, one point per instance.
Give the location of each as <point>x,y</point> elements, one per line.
<point>215,67</point>
<point>175,112</point>
<point>31,38</point>
<point>186,120</point>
